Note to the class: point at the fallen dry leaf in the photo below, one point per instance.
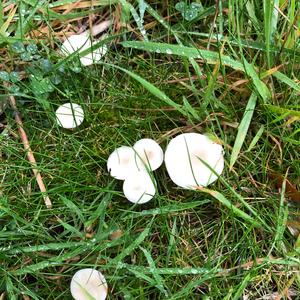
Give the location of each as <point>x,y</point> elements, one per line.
<point>291,190</point>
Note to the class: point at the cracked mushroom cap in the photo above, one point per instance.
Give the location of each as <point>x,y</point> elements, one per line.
<point>148,154</point>
<point>69,115</point>
<point>139,187</point>
<point>122,162</point>
<point>83,42</point>
<point>88,284</point>
<point>182,160</point>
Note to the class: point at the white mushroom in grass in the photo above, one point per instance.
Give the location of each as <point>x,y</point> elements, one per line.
<point>83,42</point>
<point>139,187</point>
<point>121,163</point>
<point>69,115</point>
<point>148,154</point>
<point>88,284</point>
<point>183,160</point>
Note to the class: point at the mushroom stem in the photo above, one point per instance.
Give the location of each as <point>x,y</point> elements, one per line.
<point>98,28</point>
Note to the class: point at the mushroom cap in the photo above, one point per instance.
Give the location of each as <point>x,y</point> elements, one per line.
<point>183,164</point>
<point>121,162</point>
<point>83,42</point>
<point>69,115</point>
<point>139,187</point>
<point>148,154</point>
<point>87,283</point>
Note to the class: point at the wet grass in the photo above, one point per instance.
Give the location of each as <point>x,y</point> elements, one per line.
<point>182,244</point>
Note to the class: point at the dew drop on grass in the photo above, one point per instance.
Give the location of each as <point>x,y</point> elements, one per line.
<point>194,271</point>
<point>169,51</point>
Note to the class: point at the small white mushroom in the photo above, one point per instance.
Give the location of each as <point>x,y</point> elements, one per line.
<point>183,160</point>
<point>69,115</point>
<point>83,42</point>
<point>148,154</point>
<point>88,284</point>
<point>121,163</point>
<point>139,187</point>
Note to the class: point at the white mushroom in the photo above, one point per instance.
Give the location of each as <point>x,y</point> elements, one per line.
<point>83,42</point>
<point>69,115</point>
<point>139,187</point>
<point>88,284</point>
<point>121,163</point>
<point>183,160</point>
<point>148,154</point>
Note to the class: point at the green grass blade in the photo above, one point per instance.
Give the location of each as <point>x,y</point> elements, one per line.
<point>223,200</point>
<point>282,111</point>
<point>159,280</point>
<point>283,78</point>
<point>243,129</point>
<point>209,56</point>
<point>152,89</point>
<point>73,207</point>
<point>281,221</point>
<point>260,86</point>
<point>64,2</point>
<point>239,293</point>
<point>174,271</point>
<point>23,23</point>
<point>135,244</point>
<point>256,138</point>
<point>167,209</point>
<point>268,10</point>
<point>137,18</point>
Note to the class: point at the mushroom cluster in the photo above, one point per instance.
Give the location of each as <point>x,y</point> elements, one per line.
<point>192,160</point>
<point>135,165</point>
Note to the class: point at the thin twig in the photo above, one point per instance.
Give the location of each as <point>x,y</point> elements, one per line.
<point>29,152</point>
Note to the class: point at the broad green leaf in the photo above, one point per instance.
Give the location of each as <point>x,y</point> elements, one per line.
<point>243,129</point>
